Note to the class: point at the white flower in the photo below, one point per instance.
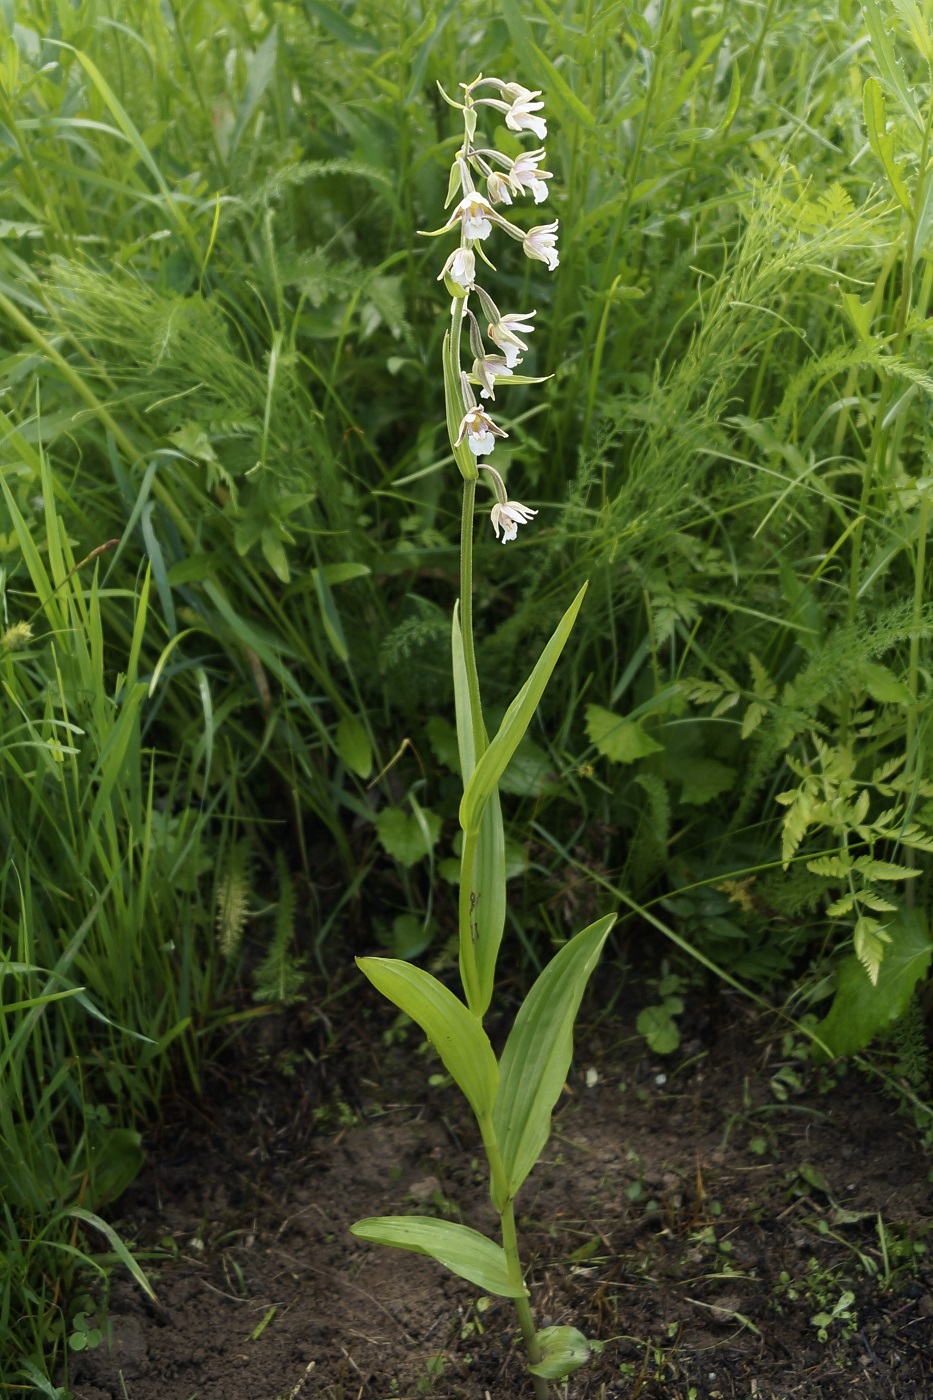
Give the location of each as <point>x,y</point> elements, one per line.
<point>541,243</point>
<point>487,371</point>
<point>507,333</point>
<point>525,175</point>
<point>460,267</point>
<point>520,116</point>
<point>472,211</point>
<point>480,432</point>
<point>509,514</point>
<point>497,188</point>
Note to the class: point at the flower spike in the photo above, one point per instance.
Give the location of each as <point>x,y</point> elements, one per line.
<point>474,214</point>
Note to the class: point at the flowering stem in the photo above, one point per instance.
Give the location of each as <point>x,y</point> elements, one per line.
<point>466,904</point>
<point>466,617</point>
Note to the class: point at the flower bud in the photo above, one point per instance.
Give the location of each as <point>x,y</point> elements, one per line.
<point>497,189</point>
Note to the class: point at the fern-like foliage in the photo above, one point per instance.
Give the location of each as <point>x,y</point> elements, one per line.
<point>233,896</point>
<point>831,798</point>
<point>429,630</point>
<point>910,1043</point>
<point>648,852</point>
<point>280,976</point>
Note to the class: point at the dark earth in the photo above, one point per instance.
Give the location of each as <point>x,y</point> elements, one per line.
<point>729,1221</point>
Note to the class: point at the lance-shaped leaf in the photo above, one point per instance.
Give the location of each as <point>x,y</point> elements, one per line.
<point>486,880</point>
<point>492,765</point>
<point>538,1052</point>
<point>465,1252</point>
<point>452,1029</point>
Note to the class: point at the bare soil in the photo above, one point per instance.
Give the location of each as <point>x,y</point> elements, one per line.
<point>694,1213</point>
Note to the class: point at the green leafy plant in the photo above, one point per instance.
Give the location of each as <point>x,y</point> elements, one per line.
<point>512,1098</point>
<point>85,1334</point>
<point>658,1022</point>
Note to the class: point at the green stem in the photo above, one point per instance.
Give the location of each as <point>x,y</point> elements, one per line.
<point>522,1305</point>
<point>500,1193</point>
<point>466,617</point>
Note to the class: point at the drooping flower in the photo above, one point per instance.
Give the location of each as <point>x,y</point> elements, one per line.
<point>460,267</point>
<point>479,431</point>
<point>505,515</point>
<point>473,211</point>
<point>487,370</point>
<point>541,243</point>
<point>509,515</point>
<point>520,115</point>
<point>507,333</point>
<point>525,177</point>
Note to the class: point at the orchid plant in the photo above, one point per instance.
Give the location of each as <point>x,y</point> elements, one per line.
<point>512,1098</point>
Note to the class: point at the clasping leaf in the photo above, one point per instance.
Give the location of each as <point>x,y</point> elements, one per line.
<point>538,1052</point>
<point>452,1029</point>
<point>486,879</point>
<point>563,1351</point>
<point>464,1251</point>
<point>493,762</point>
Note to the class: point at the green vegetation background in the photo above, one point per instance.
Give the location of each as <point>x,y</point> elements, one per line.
<point>229,518</point>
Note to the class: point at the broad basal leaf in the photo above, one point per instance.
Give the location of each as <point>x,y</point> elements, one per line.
<point>530,771</point>
<point>443,740</point>
<point>465,1252</point>
<point>620,740</point>
<point>860,1011</point>
<point>452,1029</point>
<point>403,835</point>
<point>563,1351</point>
<point>703,779</point>
<point>354,747</point>
<point>538,1052</point>
<point>116,1161</point>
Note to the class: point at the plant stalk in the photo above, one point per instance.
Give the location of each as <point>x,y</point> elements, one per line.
<point>500,1194</point>
<point>522,1305</point>
<point>466,618</point>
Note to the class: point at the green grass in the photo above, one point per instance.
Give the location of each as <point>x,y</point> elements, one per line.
<point>221,349</point>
